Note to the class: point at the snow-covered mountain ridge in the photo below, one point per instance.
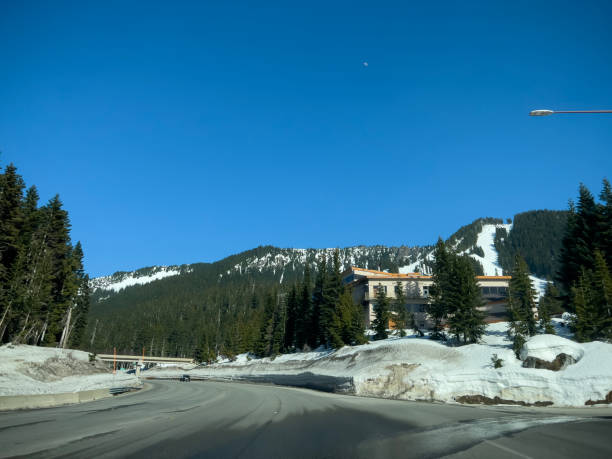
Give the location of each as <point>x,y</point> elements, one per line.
<point>270,263</point>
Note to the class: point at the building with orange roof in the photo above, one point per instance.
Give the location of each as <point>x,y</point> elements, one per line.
<point>366,282</point>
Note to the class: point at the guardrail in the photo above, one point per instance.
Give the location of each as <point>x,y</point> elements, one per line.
<point>121,390</point>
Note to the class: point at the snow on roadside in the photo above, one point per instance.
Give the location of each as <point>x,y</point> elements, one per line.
<point>420,369</point>
<point>26,370</point>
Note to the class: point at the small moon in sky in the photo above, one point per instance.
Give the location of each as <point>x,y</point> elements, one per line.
<point>365,64</point>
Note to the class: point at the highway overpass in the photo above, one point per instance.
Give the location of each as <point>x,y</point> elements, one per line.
<point>140,358</point>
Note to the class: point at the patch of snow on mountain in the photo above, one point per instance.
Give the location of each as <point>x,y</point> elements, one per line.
<point>412,267</point>
<point>485,241</point>
<point>117,283</point>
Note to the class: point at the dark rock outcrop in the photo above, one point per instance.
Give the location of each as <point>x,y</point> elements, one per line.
<point>605,401</point>
<point>560,363</point>
<point>483,400</point>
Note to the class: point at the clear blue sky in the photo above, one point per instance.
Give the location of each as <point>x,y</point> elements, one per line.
<point>178,132</point>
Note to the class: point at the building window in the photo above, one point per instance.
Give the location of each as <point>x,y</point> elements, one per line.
<point>426,291</point>
<point>380,287</point>
<point>416,307</point>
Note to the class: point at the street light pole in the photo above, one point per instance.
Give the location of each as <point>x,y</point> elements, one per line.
<point>551,112</point>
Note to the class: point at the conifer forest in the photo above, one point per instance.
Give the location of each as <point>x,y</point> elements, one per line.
<point>44,292</point>
<point>46,297</point>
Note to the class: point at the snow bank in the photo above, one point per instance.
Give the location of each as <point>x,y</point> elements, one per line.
<point>26,370</point>
<point>548,347</point>
<point>420,369</point>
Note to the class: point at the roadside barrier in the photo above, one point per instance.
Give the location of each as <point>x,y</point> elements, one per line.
<point>34,401</point>
<point>121,390</point>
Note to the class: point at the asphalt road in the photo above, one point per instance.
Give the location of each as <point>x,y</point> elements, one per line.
<point>233,420</point>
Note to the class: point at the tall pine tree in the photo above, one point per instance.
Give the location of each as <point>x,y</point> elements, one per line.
<point>521,305</point>
<point>330,325</point>
<point>466,321</point>
<point>382,313</point>
<point>548,305</point>
<point>399,309</point>
<point>440,304</point>
<point>304,321</point>
<point>592,300</point>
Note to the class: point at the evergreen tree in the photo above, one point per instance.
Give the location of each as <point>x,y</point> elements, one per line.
<point>11,221</point>
<point>330,326</point>
<point>64,284</point>
<point>351,319</point>
<point>280,314</point>
<point>440,303</point>
<point>382,313</point>
<point>580,240</point>
<point>35,280</point>
<point>592,301</point>
<point>292,318</point>
<point>586,250</point>
<point>263,346</point>
<point>586,315</point>
<point>466,322</point>
<point>602,288</point>
<point>304,320</point>
<point>317,334</point>
<point>548,305</point>
<point>399,308</point>
<point>605,222</point>
<point>40,272</point>
<point>81,301</point>
<point>521,305</point>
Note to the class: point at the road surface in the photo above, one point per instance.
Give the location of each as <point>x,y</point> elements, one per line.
<point>232,420</point>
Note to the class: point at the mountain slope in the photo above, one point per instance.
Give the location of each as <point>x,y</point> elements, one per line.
<point>212,306</point>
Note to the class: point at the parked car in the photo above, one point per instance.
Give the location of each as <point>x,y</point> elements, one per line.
<point>185,378</point>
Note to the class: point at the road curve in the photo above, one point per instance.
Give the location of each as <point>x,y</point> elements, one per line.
<point>234,420</point>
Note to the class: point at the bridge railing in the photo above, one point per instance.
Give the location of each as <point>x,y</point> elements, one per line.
<point>138,358</point>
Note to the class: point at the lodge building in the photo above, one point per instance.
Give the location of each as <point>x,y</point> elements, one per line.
<point>365,282</point>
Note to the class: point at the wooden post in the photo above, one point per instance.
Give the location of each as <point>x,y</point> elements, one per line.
<point>114,360</point>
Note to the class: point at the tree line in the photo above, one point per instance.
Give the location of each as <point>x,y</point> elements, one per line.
<point>536,235</point>
<point>583,284</point>
<point>586,257</point>
<point>310,314</point>
<point>44,293</point>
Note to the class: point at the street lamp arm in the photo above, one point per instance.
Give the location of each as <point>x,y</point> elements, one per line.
<point>550,112</point>
<point>583,111</point>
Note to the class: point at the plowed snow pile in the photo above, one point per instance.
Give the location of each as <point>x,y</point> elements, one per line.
<point>42,370</point>
<point>420,369</point>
